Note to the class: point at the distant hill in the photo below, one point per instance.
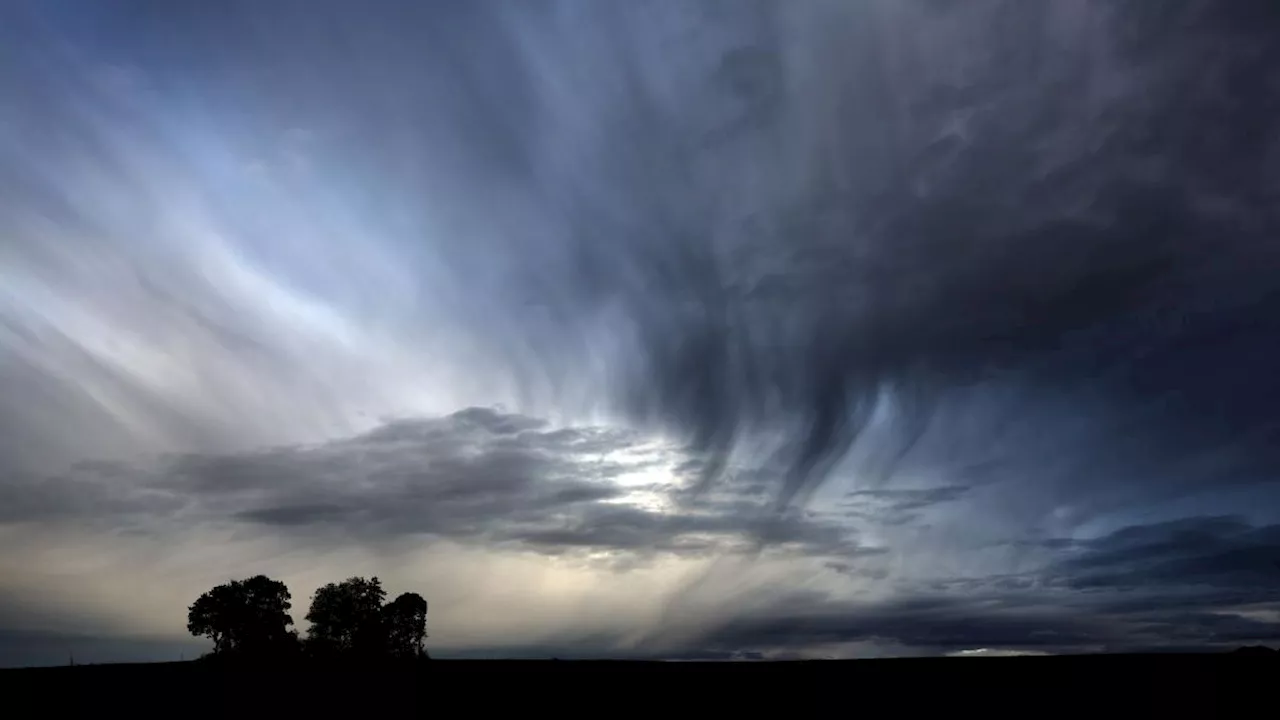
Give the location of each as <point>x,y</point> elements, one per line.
<point>1259,650</point>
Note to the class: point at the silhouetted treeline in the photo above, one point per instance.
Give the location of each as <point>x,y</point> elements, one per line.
<point>249,620</point>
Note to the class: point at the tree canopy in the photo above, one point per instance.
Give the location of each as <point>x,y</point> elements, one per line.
<point>249,619</point>
<point>346,618</point>
<point>405,619</point>
<point>244,617</point>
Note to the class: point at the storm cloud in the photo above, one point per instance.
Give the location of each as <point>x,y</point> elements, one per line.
<point>898,326</point>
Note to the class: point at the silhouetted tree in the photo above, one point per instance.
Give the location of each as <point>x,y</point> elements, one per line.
<point>346,619</point>
<point>405,619</point>
<point>244,618</point>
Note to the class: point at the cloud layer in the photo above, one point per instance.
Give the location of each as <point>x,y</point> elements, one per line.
<point>583,505</point>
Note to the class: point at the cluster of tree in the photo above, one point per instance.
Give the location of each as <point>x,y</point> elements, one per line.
<point>350,620</point>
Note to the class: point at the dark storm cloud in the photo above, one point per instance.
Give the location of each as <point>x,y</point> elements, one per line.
<point>1140,270</point>
<point>461,476</point>
<point>1223,555</point>
<point>953,624</point>
<point>477,475</point>
<point>899,506</point>
<point>900,500</point>
<point>1201,563</point>
<point>766,222</point>
<point>765,216</point>
<point>1195,583</point>
<point>926,625</point>
<point>718,528</point>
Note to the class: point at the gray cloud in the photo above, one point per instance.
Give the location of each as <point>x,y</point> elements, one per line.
<point>713,530</point>
<point>929,627</point>
<point>1224,555</point>
<point>1024,254</point>
<point>899,506</point>
<point>1193,583</point>
<point>503,480</point>
<point>477,475</point>
<point>926,626</point>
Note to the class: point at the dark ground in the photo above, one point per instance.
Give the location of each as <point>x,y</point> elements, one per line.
<point>1217,684</point>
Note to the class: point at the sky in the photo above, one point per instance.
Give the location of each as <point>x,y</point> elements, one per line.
<point>694,329</point>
